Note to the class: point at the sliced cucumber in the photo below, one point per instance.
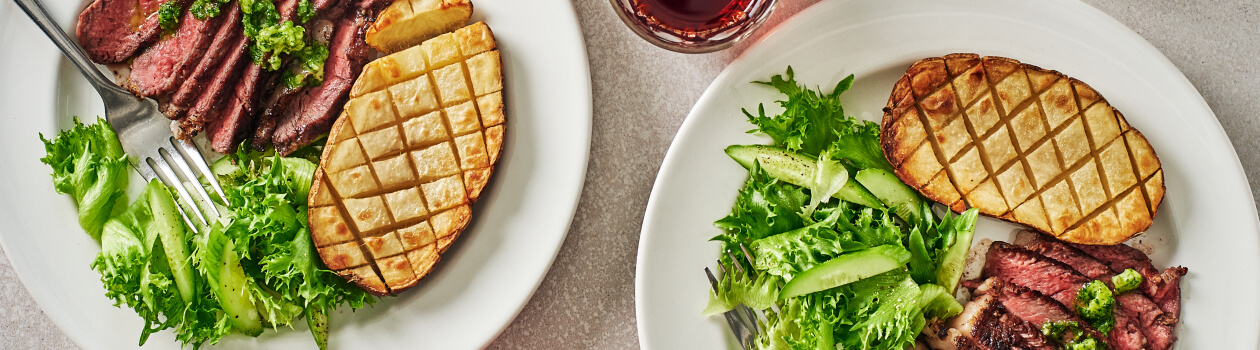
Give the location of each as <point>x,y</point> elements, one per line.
<point>233,293</point>
<point>955,258</point>
<point>231,287</point>
<point>846,269</point>
<point>317,319</point>
<point>855,193</point>
<point>904,201</point>
<point>225,167</point>
<point>790,167</point>
<point>170,229</point>
<point>796,169</point>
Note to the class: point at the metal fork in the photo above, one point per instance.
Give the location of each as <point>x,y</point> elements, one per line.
<point>144,131</point>
<point>742,320</point>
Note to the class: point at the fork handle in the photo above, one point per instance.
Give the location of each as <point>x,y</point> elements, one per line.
<point>67,45</point>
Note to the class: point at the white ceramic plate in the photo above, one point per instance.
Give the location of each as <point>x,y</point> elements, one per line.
<point>479,286</point>
<point>1208,221</point>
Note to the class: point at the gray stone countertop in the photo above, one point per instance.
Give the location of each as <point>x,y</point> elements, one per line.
<point>642,94</point>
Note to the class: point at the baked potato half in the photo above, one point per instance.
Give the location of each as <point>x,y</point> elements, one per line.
<point>1024,144</point>
<point>413,149</point>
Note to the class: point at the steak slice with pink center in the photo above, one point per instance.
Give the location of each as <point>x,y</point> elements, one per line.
<point>160,69</point>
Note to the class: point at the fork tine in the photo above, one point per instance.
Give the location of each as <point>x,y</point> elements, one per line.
<point>752,318</point>
<point>193,152</point>
<point>187,222</point>
<point>182,166</point>
<point>747,255</point>
<point>734,321</point>
<point>738,265</point>
<point>713,282</point>
<point>168,177</point>
<point>146,170</point>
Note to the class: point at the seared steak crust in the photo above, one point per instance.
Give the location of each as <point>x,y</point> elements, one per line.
<point>985,325</point>
<point>996,329</point>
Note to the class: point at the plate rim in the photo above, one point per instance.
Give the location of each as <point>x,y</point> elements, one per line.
<point>799,19</point>
<point>583,104</point>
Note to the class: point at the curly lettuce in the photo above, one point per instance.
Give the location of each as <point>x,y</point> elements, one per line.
<point>267,223</point>
<point>789,234</point>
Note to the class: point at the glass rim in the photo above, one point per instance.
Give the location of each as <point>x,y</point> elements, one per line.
<point>756,14</point>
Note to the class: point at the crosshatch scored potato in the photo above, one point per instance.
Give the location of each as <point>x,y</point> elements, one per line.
<point>413,150</point>
<point>1021,143</point>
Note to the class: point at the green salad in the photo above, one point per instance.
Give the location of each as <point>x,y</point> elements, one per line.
<point>252,268</point>
<point>844,255</point>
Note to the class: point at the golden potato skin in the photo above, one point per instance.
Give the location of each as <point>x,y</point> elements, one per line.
<point>407,23</point>
<point>407,159</point>
<point>1023,144</point>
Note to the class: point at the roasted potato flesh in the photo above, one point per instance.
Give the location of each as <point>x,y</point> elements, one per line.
<point>1021,143</point>
<point>413,150</point>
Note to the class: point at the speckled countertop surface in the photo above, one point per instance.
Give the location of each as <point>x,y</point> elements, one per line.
<point>642,94</point>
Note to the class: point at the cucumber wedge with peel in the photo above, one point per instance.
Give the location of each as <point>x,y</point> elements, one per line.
<point>904,201</point>
<point>847,268</point>
<point>955,259</point>
<point>796,169</point>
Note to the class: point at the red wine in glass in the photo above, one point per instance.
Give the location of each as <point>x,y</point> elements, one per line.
<point>693,25</point>
<point>700,16</point>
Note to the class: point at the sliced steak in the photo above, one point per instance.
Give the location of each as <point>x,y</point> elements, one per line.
<point>281,98</point>
<point>236,115</point>
<point>111,31</point>
<point>1050,277</point>
<point>320,32</point>
<point>214,92</point>
<point>1054,249</point>
<point>1156,326</point>
<point>220,49</point>
<point>1164,288</point>
<point>1126,335</point>
<point>1142,312</point>
<point>1027,304</point>
<point>1026,268</point>
<point>161,68</point>
<point>313,112</point>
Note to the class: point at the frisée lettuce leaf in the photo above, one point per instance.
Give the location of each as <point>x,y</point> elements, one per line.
<point>267,222</point>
